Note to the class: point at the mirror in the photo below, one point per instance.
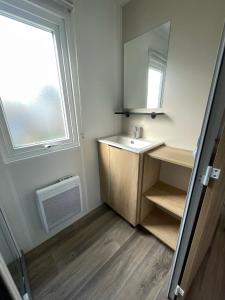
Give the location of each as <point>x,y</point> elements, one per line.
<point>145,60</point>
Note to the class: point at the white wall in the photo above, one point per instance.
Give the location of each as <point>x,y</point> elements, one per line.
<point>99,61</point>
<point>18,182</point>
<point>99,57</point>
<point>196,28</point>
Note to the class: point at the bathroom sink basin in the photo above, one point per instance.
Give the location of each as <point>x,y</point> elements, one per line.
<point>130,144</point>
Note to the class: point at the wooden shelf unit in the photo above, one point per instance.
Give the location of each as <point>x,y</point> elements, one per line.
<point>172,155</point>
<point>162,205</point>
<point>163,226</point>
<point>167,197</point>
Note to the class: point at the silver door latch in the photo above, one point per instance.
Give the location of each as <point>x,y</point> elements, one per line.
<point>179,291</point>
<point>210,173</point>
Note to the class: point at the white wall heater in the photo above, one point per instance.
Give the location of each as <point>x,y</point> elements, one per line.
<point>59,202</point>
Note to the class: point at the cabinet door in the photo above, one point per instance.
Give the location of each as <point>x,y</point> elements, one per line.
<point>123,183</point>
<point>103,151</point>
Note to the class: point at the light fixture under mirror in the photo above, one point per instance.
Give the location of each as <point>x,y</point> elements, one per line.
<point>145,61</point>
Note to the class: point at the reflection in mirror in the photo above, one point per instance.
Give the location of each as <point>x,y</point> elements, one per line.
<point>145,60</point>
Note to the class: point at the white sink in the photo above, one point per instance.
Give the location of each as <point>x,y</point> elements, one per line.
<point>130,144</point>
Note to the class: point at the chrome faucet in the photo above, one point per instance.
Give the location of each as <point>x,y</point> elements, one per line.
<point>137,132</point>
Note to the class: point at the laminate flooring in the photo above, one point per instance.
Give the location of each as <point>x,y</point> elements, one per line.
<point>97,258</point>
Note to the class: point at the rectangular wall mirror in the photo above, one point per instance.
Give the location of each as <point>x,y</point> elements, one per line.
<point>145,61</point>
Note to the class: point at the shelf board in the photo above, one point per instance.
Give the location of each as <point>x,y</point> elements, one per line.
<point>172,155</point>
<point>163,226</point>
<point>167,197</point>
<point>153,115</point>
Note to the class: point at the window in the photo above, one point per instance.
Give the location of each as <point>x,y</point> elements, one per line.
<point>36,96</point>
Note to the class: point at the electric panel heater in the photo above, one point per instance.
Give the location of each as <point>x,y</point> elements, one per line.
<point>59,202</point>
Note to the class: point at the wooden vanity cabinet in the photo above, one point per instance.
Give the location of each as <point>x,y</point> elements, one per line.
<point>119,180</point>
<point>103,157</point>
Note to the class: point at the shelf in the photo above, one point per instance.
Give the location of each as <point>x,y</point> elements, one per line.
<point>176,156</point>
<point>167,197</point>
<point>153,115</point>
<point>163,226</point>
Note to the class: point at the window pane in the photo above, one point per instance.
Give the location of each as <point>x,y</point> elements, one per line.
<point>30,88</point>
<point>154,88</point>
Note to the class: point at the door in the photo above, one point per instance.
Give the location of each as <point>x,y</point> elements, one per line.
<point>123,185</point>
<point>11,254</point>
<point>212,267</point>
<point>208,219</point>
<point>198,213</point>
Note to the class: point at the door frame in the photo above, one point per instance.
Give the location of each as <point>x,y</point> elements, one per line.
<point>210,129</point>
<point>8,280</point>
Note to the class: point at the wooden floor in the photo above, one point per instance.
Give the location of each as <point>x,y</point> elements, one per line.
<point>100,257</point>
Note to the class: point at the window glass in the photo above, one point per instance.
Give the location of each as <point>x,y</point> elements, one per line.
<point>30,84</point>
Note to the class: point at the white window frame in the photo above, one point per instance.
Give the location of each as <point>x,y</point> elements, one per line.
<point>58,24</point>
